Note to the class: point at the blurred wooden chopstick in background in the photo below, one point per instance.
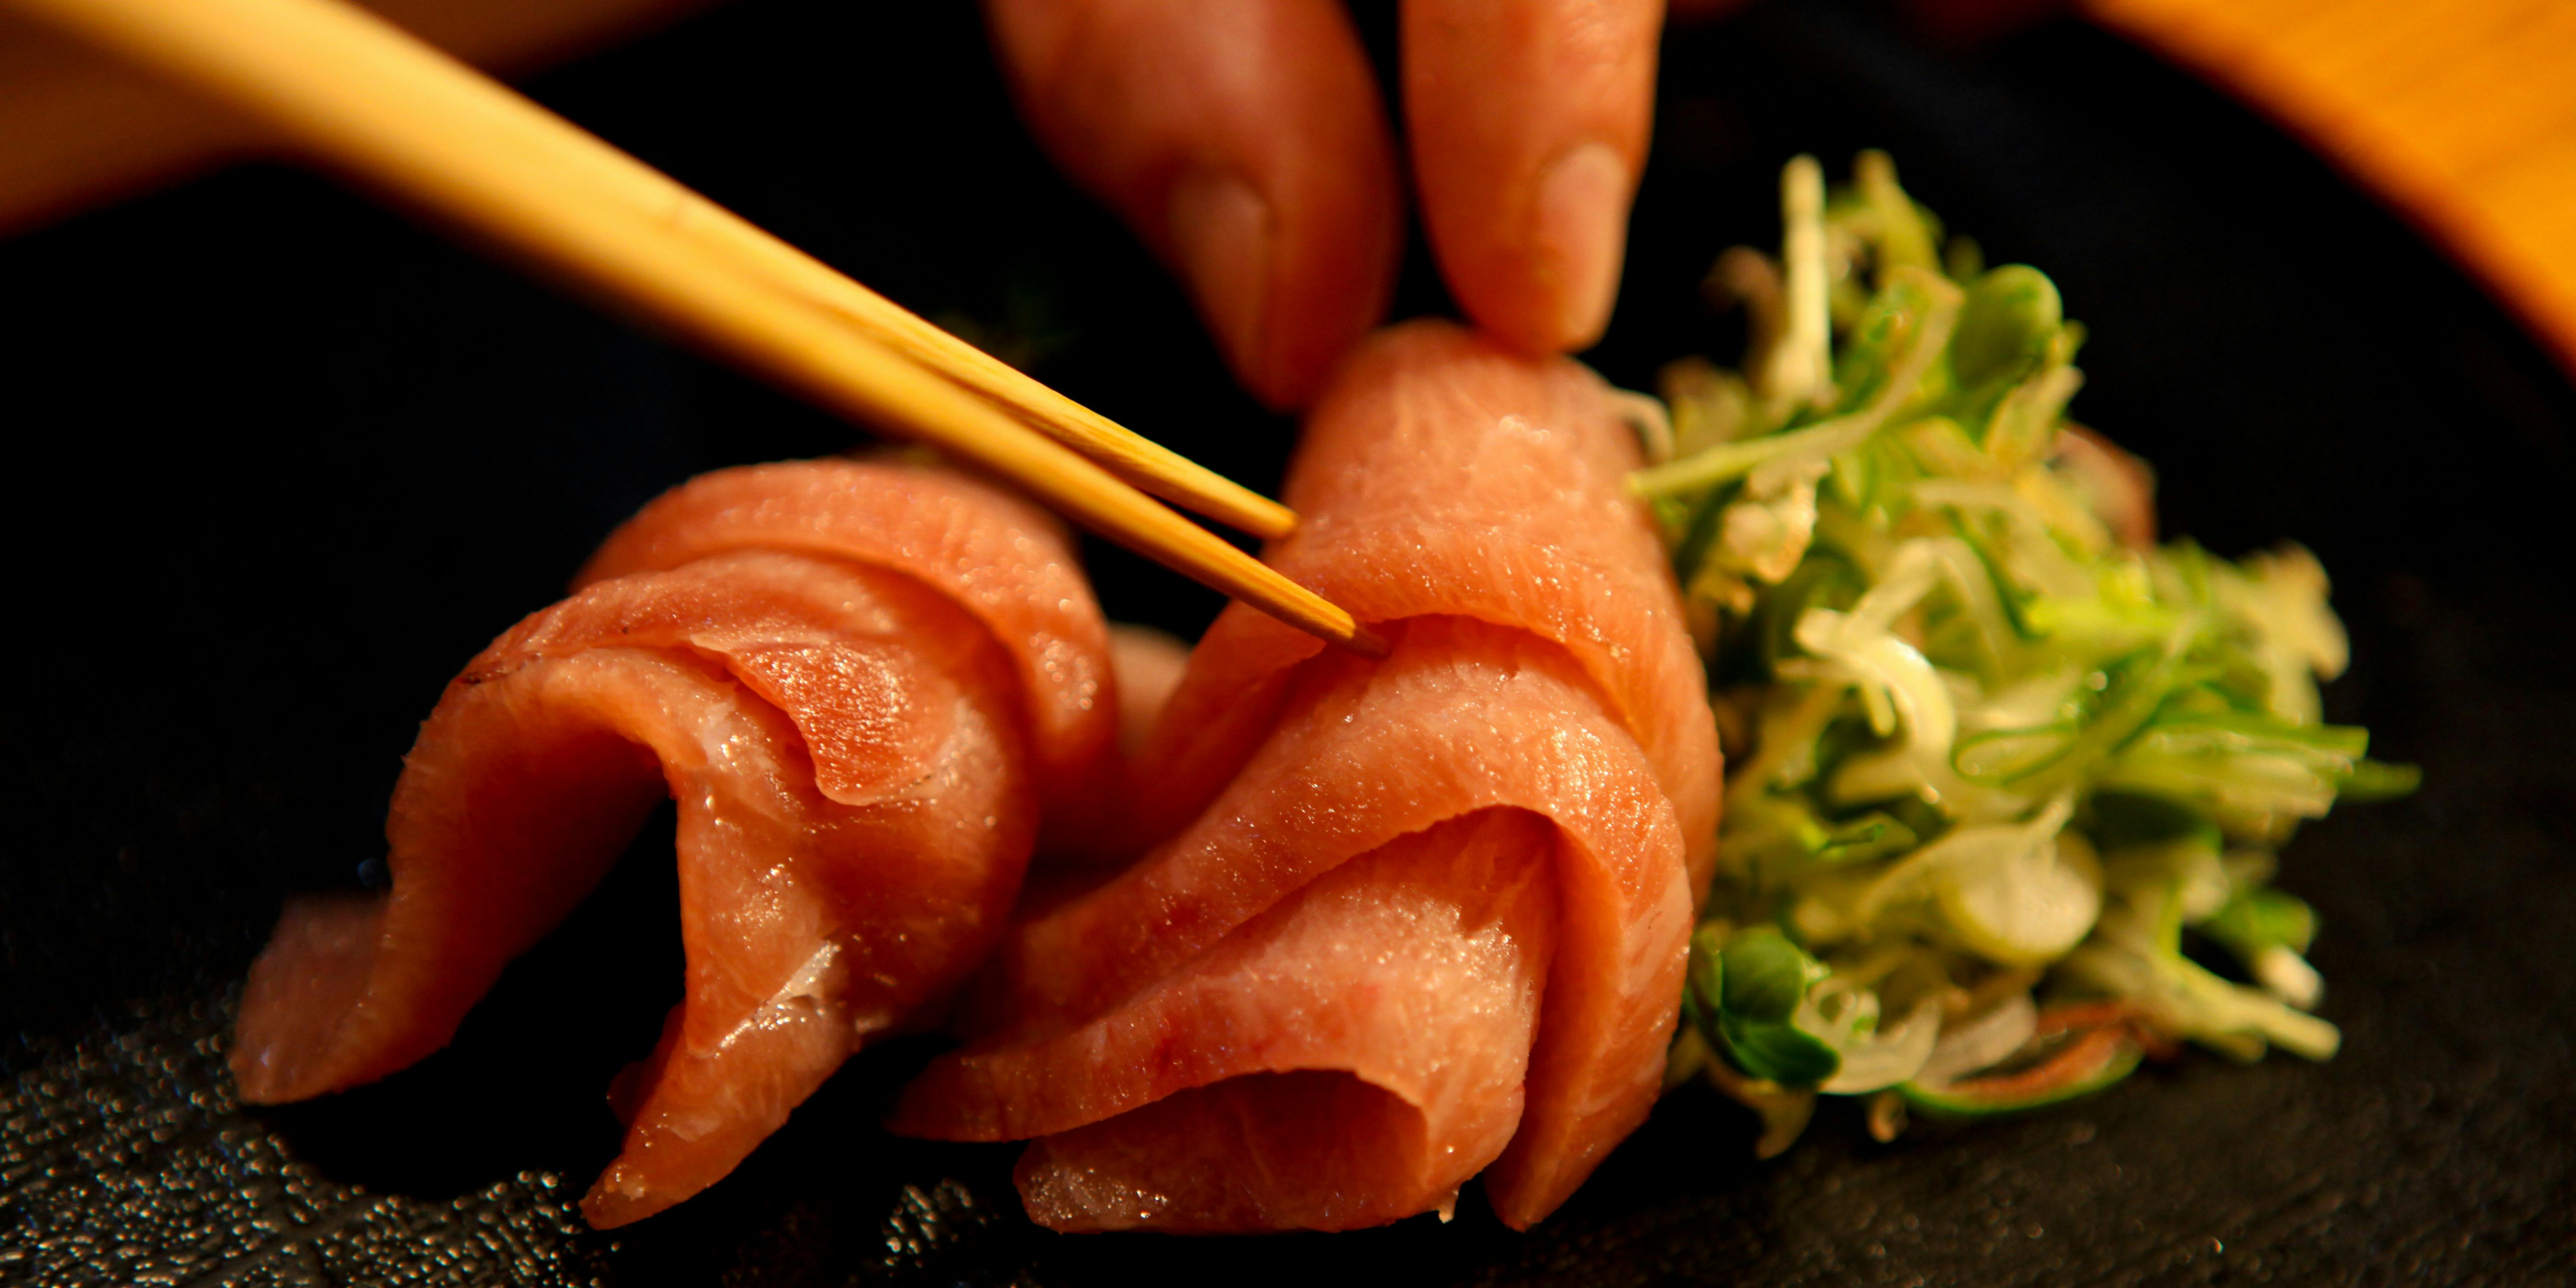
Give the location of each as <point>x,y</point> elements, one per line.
<point>398,115</point>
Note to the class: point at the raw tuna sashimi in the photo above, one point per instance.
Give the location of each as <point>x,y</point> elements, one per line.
<point>1441,474</point>
<point>1415,920</point>
<point>1004,561</point>
<point>854,725</point>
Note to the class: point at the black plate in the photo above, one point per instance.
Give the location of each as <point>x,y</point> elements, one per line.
<point>308,458</point>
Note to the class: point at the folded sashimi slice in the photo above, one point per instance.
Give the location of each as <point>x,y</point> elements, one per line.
<point>830,886</point>
<point>850,750</point>
<point>1184,1060</point>
<point>1443,474</point>
<point>1002,560</point>
<point>1350,1057</point>
<point>1523,1019</point>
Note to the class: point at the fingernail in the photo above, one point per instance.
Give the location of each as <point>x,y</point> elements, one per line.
<point>1220,230</point>
<point>1582,234</point>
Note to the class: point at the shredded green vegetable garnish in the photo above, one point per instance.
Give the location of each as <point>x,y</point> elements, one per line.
<point>1995,759</point>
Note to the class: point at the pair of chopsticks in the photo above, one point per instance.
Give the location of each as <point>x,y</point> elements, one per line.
<point>403,117</point>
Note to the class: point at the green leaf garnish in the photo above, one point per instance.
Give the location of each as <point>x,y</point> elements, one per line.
<point>1998,741</point>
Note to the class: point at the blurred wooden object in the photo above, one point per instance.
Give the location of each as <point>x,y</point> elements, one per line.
<point>388,110</point>
<point>78,128</point>
<point>2462,113</point>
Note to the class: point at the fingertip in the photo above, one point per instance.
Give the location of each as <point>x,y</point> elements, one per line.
<point>1543,273</point>
<point>1529,126</point>
<point>1331,279</point>
<point>1246,143</point>
<point>1221,231</point>
<point>1284,297</point>
<point>1289,281</point>
<point>1581,243</point>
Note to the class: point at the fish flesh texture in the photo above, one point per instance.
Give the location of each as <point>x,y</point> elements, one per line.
<point>1405,922</point>
<point>1005,562</point>
<point>1441,475</point>
<point>1413,920</point>
<point>853,679</point>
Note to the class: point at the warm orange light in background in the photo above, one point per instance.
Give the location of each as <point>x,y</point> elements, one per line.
<point>2461,113</point>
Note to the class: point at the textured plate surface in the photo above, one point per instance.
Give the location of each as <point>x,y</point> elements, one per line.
<point>303,458</point>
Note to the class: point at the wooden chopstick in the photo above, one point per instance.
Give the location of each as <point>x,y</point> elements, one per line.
<point>1124,452</point>
<point>1133,457</point>
<point>403,116</point>
<point>618,176</point>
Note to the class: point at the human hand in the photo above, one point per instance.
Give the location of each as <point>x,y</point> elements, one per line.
<point>1245,141</point>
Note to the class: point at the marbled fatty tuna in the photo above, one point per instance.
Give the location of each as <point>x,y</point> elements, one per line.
<point>854,751</point>
<point>1413,920</point>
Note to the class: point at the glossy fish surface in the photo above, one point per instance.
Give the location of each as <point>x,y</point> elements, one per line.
<point>1401,923</point>
<point>854,726</point>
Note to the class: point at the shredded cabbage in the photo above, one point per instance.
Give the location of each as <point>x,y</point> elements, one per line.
<point>2006,775</point>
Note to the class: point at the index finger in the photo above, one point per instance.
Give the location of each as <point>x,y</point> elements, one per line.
<point>1529,121</point>
<point>1245,142</point>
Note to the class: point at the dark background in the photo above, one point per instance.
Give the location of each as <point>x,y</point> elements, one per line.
<point>281,461</point>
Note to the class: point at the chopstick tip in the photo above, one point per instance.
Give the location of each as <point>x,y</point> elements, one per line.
<point>1367,643</point>
<point>1269,521</point>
